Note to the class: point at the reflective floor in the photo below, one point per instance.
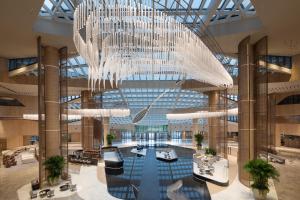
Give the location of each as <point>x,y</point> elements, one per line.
<point>152,177</point>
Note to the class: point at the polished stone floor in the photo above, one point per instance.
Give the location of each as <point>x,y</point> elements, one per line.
<point>11,179</point>
<point>289,181</point>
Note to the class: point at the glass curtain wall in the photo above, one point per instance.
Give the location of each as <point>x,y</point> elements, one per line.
<point>159,132</point>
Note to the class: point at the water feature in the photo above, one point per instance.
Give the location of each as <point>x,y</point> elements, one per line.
<point>152,177</point>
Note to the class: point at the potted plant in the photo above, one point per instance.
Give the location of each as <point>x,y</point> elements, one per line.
<point>210,151</point>
<point>199,138</point>
<point>110,137</point>
<point>54,166</point>
<point>261,171</point>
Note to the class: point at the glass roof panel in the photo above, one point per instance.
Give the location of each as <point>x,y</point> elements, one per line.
<point>229,5</point>
<point>206,4</point>
<point>64,6</point>
<point>245,3</point>
<point>196,4</point>
<point>221,4</point>
<point>170,3</point>
<point>48,4</point>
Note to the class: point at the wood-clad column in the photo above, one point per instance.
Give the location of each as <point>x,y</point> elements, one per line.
<point>52,106</point>
<point>183,135</point>
<point>87,123</point>
<point>195,130</point>
<point>3,70</point>
<point>97,133</point>
<point>213,122</point>
<point>295,76</point>
<point>105,129</point>
<point>246,108</point>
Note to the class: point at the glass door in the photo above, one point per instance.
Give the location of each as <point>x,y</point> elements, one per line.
<point>151,136</point>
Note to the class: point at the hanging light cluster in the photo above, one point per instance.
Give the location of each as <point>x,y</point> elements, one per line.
<point>100,112</point>
<point>35,117</point>
<point>118,38</point>
<point>202,114</point>
<point>76,114</point>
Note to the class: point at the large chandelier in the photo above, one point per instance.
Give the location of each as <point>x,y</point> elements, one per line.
<point>118,38</point>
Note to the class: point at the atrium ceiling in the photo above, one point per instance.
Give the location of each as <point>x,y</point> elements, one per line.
<point>228,21</point>
<point>220,23</point>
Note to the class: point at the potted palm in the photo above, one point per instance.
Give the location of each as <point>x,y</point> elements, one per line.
<point>199,138</point>
<point>261,171</point>
<point>54,166</point>
<point>110,137</point>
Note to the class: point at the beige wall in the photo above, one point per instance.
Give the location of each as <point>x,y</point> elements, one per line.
<point>290,129</point>
<point>288,110</point>
<point>14,130</point>
<point>75,137</point>
<point>232,127</point>
<point>74,130</point>
<point>30,106</point>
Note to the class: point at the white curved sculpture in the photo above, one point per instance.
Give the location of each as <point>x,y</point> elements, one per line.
<point>118,38</point>
<point>173,193</point>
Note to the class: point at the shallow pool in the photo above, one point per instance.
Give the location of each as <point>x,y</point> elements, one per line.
<point>152,176</point>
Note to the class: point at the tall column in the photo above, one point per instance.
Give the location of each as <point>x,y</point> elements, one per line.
<point>105,129</point>
<point>295,76</point>
<point>195,129</point>
<point>97,132</point>
<point>52,106</point>
<point>213,122</point>
<point>3,70</point>
<point>246,108</point>
<point>87,123</point>
<point>183,136</point>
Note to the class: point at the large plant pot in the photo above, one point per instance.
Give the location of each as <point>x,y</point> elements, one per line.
<point>199,147</point>
<point>260,194</point>
<point>53,182</point>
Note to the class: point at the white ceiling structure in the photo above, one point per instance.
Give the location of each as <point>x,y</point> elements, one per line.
<point>225,21</point>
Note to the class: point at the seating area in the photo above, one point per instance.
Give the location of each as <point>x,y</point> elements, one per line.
<point>26,154</point>
<point>139,150</point>
<point>84,157</point>
<point>52,192</point>
<point>112,157</point>
<point>168,155</point>
<point>211,168</point>
<point>272,157</point>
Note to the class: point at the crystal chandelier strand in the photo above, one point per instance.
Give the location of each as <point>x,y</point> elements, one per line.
<point>121,38</point>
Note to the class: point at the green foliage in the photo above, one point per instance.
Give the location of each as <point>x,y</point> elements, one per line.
<point>199,138</point>
<point>209,151</point>
<point>260,171</point>
<point>54,166</point>
<point>110,137</point>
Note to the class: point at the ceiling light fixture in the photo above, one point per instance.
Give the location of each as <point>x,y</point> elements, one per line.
<point>100,112</point>
<point>118,38</point>
<point>36,117</point>
<point>202,114</point>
